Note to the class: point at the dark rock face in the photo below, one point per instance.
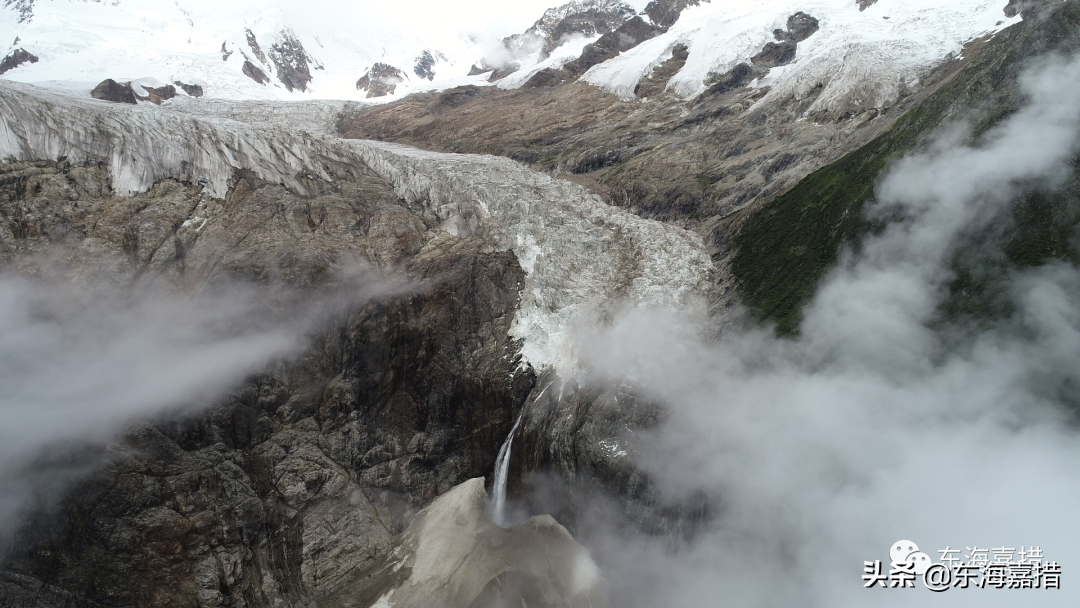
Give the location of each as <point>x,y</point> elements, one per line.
<point>657,81</point>
<point>739,76</point>
<point>573,19</point>
<point>296,484</point>
<point>666,12</point>
<point>225,52</point>
<point>565,437</point>
<point>159,95</point>
<point>191,89</point>
<point>547,77</point>
<point>425,64</point>
<point>292,61</point>
<point>25,9</point>
<point>627,36</point>
<point>775,54</point>
<point>590,22</point>
<point>381,80</point>
<point>255,48</point>
<point>254,73</point>
<point>865,4</point>
<point>504,71</point>
<point>110,90</point>
<point>800,26</point>
<point>1025,8</point>
<point>15,59</point>
<point>582,18</point>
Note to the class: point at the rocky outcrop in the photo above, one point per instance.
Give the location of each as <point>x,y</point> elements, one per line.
<point>158,95</point>
<point>253,44</point>
<point>1025,8</point>
<point>16,58</point>
<point>625,37</point>
<point>504,71</point>
<point>665,13</point>
<point>865,4</point>
<point>579,18</point>
<point>655,83</point>
<point>800,26</point>
<point>425,66</point>
<point>24,9</point>
<point>576,18</point>
<point>255,73</point>
<point>110,90</point>
<point>192,90</point>
<point>381,80</point>
<point>292,62</point>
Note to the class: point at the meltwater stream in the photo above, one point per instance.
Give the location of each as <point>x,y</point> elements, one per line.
<point>502,469</point>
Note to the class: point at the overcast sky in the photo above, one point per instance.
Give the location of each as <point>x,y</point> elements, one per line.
<point>483,16</point>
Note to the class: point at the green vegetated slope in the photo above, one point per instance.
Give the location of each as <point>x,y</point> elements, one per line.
<point>787,246</point>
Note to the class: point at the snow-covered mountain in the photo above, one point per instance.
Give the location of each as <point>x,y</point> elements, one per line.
<point>259,49</point>
<point>869,50</point>
<point>328,50</point>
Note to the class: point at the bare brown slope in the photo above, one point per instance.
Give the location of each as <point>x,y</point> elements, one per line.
<point>691,162</point>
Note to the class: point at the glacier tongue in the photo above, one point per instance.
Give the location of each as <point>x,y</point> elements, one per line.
<point>579,253</point>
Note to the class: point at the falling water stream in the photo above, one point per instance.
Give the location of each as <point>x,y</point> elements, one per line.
<point>502,469</point>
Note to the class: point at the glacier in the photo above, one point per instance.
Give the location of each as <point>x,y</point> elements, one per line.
<point>581,256</point>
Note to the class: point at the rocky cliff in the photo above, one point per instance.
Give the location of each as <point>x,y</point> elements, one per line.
<point>307,482</point>
<point>301,478</point>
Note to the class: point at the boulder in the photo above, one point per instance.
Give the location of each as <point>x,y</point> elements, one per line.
<point>110,90</point>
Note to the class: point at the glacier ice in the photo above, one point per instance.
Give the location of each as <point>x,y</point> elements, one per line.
<point>580,254</point>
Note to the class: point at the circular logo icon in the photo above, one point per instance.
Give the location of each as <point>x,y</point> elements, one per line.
<point>922,562</point>
<point>901,550</point>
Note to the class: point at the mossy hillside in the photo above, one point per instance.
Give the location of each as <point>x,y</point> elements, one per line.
<point>787,246</point>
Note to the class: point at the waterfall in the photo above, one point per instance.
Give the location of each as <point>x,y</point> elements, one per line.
<point>502,470</point>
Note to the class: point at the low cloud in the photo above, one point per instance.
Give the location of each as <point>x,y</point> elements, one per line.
<point>78,365</point>
<point>818,453</point>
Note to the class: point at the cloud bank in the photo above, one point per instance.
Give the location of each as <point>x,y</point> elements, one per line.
<point>77,365</point>
<point>819,453</point>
